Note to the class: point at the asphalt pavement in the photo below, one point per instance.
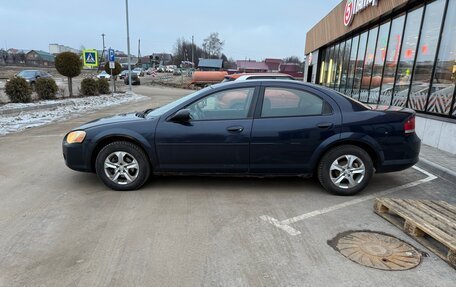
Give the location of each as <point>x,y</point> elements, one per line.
<point>64,228</point>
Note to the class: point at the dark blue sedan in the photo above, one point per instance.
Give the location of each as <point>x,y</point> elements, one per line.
<point>250,128</point>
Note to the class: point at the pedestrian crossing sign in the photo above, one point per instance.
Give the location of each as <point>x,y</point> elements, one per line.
<point>90,58</point>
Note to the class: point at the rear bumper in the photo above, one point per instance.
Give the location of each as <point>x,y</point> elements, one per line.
<point>401,156</point>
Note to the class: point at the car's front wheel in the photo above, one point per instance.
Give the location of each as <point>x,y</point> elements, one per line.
<point>345,170</point>
<point>122,166</point>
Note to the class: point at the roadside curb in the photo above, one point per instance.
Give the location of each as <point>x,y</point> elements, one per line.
<point>438,170</point>
<point>31,108</point>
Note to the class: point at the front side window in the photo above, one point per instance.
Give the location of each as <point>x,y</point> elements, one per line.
<point>228,104</point>
<point>282,102</point>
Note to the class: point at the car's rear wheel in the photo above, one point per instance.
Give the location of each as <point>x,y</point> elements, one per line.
<point>345,170</point>
<point>122,166</point>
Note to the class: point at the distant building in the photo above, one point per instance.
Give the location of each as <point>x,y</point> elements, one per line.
<point>292,69</point>
<point>39,58</point>
<point>55,49</point>
<point>251,66</point>
<point>210,64</point>
<point>273,64</point>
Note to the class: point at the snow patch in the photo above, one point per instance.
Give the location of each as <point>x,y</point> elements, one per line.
<point>67,108</point>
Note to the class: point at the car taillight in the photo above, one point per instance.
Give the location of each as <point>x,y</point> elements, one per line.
<point>409,125</point>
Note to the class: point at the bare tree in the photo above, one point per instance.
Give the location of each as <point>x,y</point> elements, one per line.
<point>213,46</point>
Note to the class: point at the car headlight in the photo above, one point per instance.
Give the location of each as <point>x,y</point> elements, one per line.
<point>76,137</point>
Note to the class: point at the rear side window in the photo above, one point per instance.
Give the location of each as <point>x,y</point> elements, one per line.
<point>281,102</point>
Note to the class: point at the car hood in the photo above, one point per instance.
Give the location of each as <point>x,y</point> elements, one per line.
<point>119,118</point>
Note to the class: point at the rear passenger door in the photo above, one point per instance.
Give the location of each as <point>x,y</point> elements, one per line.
<point>290,122</point>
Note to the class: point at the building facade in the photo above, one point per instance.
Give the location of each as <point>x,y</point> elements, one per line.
<point>392,52</point>
<point>57,49</point>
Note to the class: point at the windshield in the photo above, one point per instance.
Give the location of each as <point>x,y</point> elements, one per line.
<point>26,74</point>
<point>161,110</point>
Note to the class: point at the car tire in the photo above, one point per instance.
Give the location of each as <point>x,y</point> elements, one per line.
<point>115,166</point>
<point>345,170</point>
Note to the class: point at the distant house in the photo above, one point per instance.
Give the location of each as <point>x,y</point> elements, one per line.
<point>273,64</point>
<point>292,69</point>
<point>210,64</point>
<point>39,58</point>
<point>252,66</point>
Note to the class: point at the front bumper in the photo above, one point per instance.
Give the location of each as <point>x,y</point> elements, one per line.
<point>76,156</point>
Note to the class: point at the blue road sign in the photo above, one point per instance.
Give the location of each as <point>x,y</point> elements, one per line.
<point>111,55</point>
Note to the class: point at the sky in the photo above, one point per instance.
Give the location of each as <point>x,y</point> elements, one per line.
<point>252,29</point>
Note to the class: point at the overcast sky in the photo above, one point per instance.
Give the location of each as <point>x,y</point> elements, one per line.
<point>253,29</point>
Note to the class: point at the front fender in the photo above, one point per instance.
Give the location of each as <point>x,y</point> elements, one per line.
<point>124,133</point>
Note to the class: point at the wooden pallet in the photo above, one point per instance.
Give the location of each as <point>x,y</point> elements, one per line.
<point>431,223</point>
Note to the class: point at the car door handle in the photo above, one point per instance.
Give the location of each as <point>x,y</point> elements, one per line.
<point>325,125</point>
<point>235,129</point>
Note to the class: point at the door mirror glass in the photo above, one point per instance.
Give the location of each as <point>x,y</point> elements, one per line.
<point>181,116</point>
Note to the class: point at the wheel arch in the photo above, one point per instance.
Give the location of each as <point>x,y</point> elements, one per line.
<point>113,138</point>
<point>370,147</point>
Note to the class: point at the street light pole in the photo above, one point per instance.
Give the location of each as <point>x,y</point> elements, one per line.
<point>128,47</point>
<point>193,52</point>
<point>102,51</point>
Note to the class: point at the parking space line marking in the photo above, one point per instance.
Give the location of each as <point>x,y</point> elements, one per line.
<point>285,224</point>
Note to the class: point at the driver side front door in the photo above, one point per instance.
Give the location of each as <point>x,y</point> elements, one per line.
<point>217,138</point>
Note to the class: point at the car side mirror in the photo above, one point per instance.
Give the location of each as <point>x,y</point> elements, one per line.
<point>181,116</point>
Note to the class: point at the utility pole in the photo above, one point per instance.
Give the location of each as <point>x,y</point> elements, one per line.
<point>139,51</point>
<point>193,52</point>
<point>128,47</point>
<point>102,51</point>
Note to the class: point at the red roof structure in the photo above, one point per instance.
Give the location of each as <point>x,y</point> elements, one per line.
<point>251,66</point>
<point>273,64</point>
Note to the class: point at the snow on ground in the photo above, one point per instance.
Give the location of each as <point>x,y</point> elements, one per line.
<point>66,109</point>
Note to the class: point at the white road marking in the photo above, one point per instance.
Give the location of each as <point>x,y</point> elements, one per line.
<point>285,224</point>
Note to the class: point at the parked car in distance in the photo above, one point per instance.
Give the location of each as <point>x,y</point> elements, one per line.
<point>139,71</point>
<point>282,128</point>
<point>104,75</point>
<point>177,72</point>
<point>257,76</point>
<point>123,74</point>
<point>32,75</point>
<point>150,71</point>
<point>134,79</point>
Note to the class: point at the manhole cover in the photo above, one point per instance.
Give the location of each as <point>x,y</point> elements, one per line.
<point>377,250</point>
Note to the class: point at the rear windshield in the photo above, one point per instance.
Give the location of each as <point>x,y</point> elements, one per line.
<point>355,101</point>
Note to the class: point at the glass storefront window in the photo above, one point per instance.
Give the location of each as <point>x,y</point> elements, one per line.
<point>346,63</point>
<point>334,66</point>
<point>351,66</point>
<point>359,65</point>
<point>340,62</point>
<point>407,58</point>
<point>427,49</point>
<point>392,57</point>
<point>324,66</point>
<point>368,62</point>
<point>380,55</point>
<point>330,66</point>
<point>444,79</point>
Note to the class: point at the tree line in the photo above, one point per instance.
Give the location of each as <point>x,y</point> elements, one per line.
<point>211,48</point>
